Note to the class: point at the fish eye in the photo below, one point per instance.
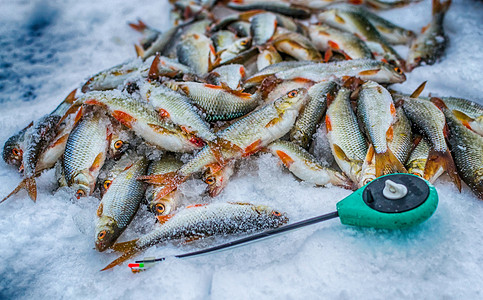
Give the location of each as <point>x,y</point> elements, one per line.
<point>118,144</point>
<point>244,42</point>
<point>16,152</point>
<point>101,235</point>
<point>210,180</point>
<point>160,208</point>
<point>292,94</point>
<point>80,193</point>
<point>276,213</point>
<point>107,184</point>
<point>398,70</point>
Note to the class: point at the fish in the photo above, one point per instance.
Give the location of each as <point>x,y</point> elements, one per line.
<point>198,221</point>
<point>163,66</point>
<point>247,136</point>
<point>218,103</point>
<point>391,32</point>
<point>305,166</point>
<point>234,49</point>
<point>283,8</point>
<point>13,148</point>
<point>116,76</point>
<point>197,52</point>
<point>376,109</point>
<point>275,68</point>
<point>217,177</point>
<point>429,46</point>
<point>347,143</point>
<point>263,28</point>
<point>365,69</point>
<point>142,118</point>
<point>85,153</point>
<point>169,203</point>
<point>222,39</point>
<point>401,144</point>
<point>267,57</point>
<point>468,112</point>
<point>231,76</point>
<point>313,112</point>
<point>150,35</point>
<point>36,140</point>
<point>297,46</point>
<point>416,163</point>
<point>358,24</point>
<point>120,203</point>
<point>240,28</point>
<point>431,122</point>
<point>326,38</point>
<point>467,148</point>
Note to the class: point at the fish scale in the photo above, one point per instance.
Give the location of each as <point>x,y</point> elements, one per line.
<point>217,218</point>
<point>217,103</point>
<point>87,140</point>
<point>307,121</point>
<point>124,195</point>
<point>428,118</point>
<point>374,106</point>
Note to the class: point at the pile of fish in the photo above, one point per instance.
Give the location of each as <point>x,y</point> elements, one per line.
<point>230,80</point>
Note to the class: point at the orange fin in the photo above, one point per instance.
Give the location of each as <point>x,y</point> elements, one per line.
<point>438,162</point>
<point>418,90</point>
<point>70,99</point>
<point>124,118</point>
<point>27,183</point>
<point>98,161</point>
<point>169,181</point>
<point>139,50</point>
<point>219,146</point>
<point>285,158</point>
<point>78,116</point>
<point>129,249</point>
<point>59,141</point>
<point>99,210</point>
<point>164,219</point>
<point>340,153</point>
<point>369,72</point>
<point>154,70</point>
<point>328,123</point>
<point>387,163</point>
<point>328,55</point>
<point>252,148</point>
<point>196,205</point>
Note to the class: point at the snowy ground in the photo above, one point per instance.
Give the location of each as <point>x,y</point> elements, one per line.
<point>47,48</point>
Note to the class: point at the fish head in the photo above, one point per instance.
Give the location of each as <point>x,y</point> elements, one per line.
<point>243,44</point>
<point>119,143</point>
<point>163,206</point>
<point>217,179</point>
<point>292,100</point>
<point>81,185</point>
<point>270,217</point>
<point>107,233</point>
<point>391,74</point>
<point>13,152</point>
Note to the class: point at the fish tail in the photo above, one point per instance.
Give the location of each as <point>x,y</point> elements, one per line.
<point>140,26</point>
<point>440,7</point>
<point>129,249</point>
<point>28,184</point>
<point>153,73</point>
<point>387,163</point>
<point>439,162</point>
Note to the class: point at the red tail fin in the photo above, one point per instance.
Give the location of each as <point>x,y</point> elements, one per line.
<point>387,163</point>
<point>28,184</point>
<point>169,181</point>
<point>439,162</point>
<point>129,249</point>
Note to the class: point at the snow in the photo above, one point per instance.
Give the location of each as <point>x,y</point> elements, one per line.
<point>47,248</point>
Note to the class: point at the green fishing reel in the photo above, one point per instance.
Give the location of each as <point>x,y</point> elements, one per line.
<point>393,201</point>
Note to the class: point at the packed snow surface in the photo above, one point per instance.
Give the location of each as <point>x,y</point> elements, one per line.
<point>48,48</point>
